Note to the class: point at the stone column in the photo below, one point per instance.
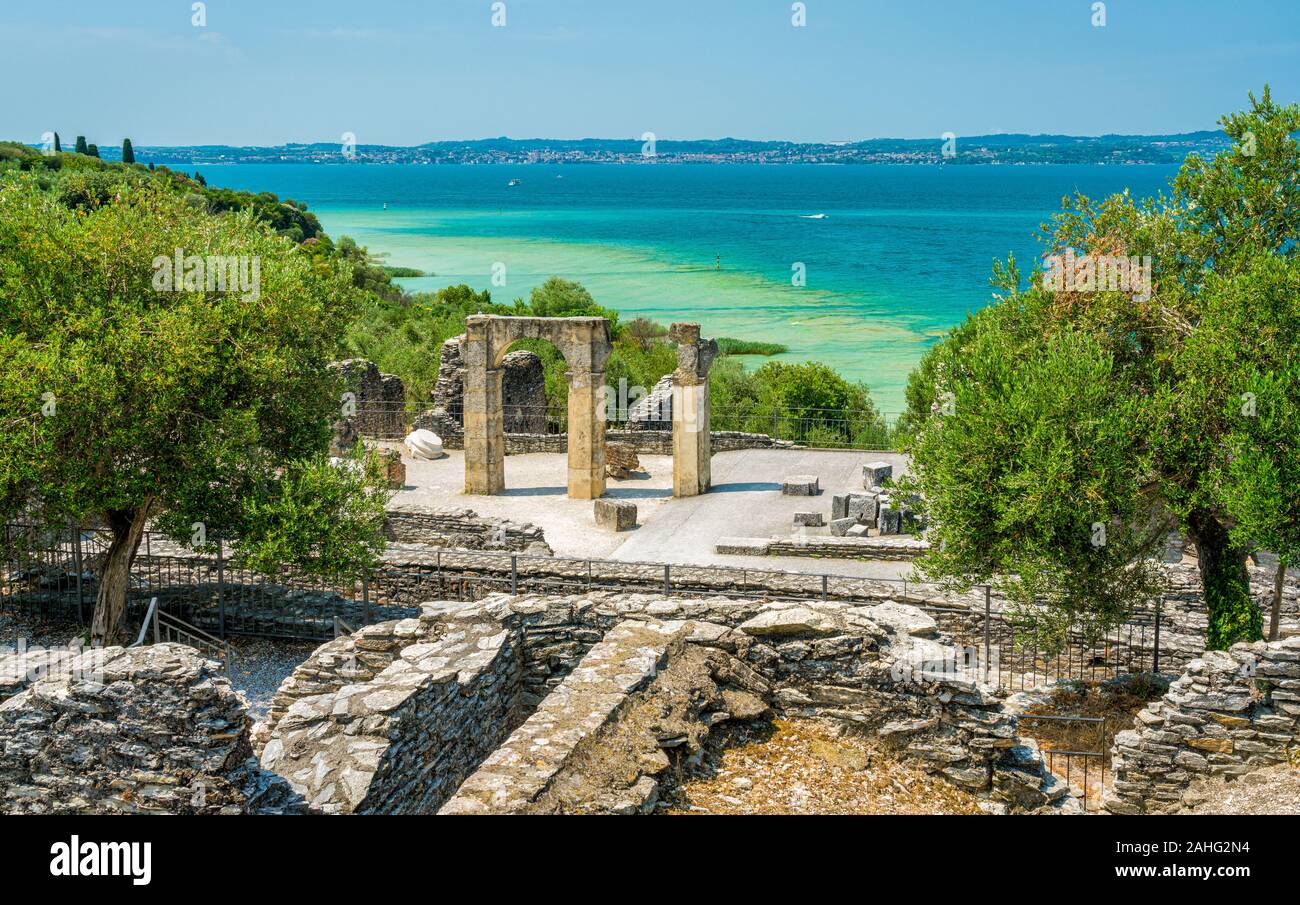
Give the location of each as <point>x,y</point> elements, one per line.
<point>692,440</point>
<point>485,439</point>
<point>586,434</point>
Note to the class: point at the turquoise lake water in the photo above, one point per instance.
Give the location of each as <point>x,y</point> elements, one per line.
<point>893,256</point>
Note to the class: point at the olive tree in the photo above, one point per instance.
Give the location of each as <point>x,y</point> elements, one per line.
<point>1059,433</point>
<point>160,365</point>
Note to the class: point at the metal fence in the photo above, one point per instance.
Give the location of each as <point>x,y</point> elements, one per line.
<point>812,427</point>
<point>1084,772</point>
<point>52,572</point>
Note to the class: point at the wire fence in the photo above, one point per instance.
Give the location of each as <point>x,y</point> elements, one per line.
<point>812,427</point>
<point>52,572</point>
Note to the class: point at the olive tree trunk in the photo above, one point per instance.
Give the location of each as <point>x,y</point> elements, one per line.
<point>1233,614</point>
<point>109,624</point>
<point>1278,582</point>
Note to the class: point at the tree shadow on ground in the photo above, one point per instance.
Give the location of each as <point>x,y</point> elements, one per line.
<point>744,486</point>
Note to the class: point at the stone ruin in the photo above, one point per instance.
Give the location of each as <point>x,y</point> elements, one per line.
<point>147,730</point>
<point>523,395</point>
<point>380,404</point>
<point>649,427</point>
<point>587,704</point>
<point>461,529</point>
<point>1230,713</point>
<point>478,365</point>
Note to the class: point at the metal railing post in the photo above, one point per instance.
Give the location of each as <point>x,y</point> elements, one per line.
<point>221,592</point>
<point>1155,651</point>
<point>365,596</point>
<point>988,631</point>
<point>76,564</point>
<point>667,581</point>
<point>514,574</point>
<point>824,580</point>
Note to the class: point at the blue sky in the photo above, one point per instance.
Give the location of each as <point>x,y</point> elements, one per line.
<point>409,71</point>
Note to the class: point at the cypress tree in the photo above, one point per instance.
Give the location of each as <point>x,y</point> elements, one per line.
<point>81,144</point>
<point>92,150</point>
<point>58,148</point>
<point>128,152</point>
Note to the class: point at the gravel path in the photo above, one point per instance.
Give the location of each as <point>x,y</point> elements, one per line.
<point>1273,790</point>
<point>37,631</point>
<point>258,667</point>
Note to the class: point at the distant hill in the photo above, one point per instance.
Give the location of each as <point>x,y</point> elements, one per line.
<point>975,149</point>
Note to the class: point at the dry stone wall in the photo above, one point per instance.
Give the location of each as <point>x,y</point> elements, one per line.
<point>638,691</point>
<point>380,400</point>
<point>404,740</point>
<point>150,730</point>
<point>589,670</point>
<point>1230,713</point>
<point>462,529</point>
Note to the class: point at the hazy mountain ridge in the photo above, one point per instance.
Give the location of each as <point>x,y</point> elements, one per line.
<point>1013,148</point>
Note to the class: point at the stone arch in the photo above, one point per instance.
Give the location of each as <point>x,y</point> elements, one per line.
<point>585,344</point>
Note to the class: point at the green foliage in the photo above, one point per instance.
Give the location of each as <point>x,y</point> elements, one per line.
<point>128,152</point>
<point>1219,322</point>
<point>191,404</point>
<point>1033,478</point>
<point>558,297</point>
<point>324,519</point>
<point>729,346</point>
<point>405,336</point>
<point>81,144</point>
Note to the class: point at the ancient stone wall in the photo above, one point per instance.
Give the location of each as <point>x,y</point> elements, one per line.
<point>380,399</point>
<point>403,740</point>
<point>880,669</point>
<point>857,548</point>
<point>523,393</point>
<point>1231,712</point>
<point>639,690</point>
<point>462,529</point>
<point>154,730</point>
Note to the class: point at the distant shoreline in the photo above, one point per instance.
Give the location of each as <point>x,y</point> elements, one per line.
<point>946,150</point>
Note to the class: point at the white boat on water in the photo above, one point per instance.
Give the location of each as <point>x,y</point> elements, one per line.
<point>514,182</point>
<point>813,217</point>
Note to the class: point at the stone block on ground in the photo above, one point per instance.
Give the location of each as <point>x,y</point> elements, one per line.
<point>862,507</point>
<point>841,526</point>
<point>875,474</point>
<point>621,460</point>
<point>808,520</point>
<point>890,520</point>
<point>424,444</point>
<point>801,485</point>
<point>839,506</point>
<point>615,515</point>
<point>390,461</point>
<point>858,530</point>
